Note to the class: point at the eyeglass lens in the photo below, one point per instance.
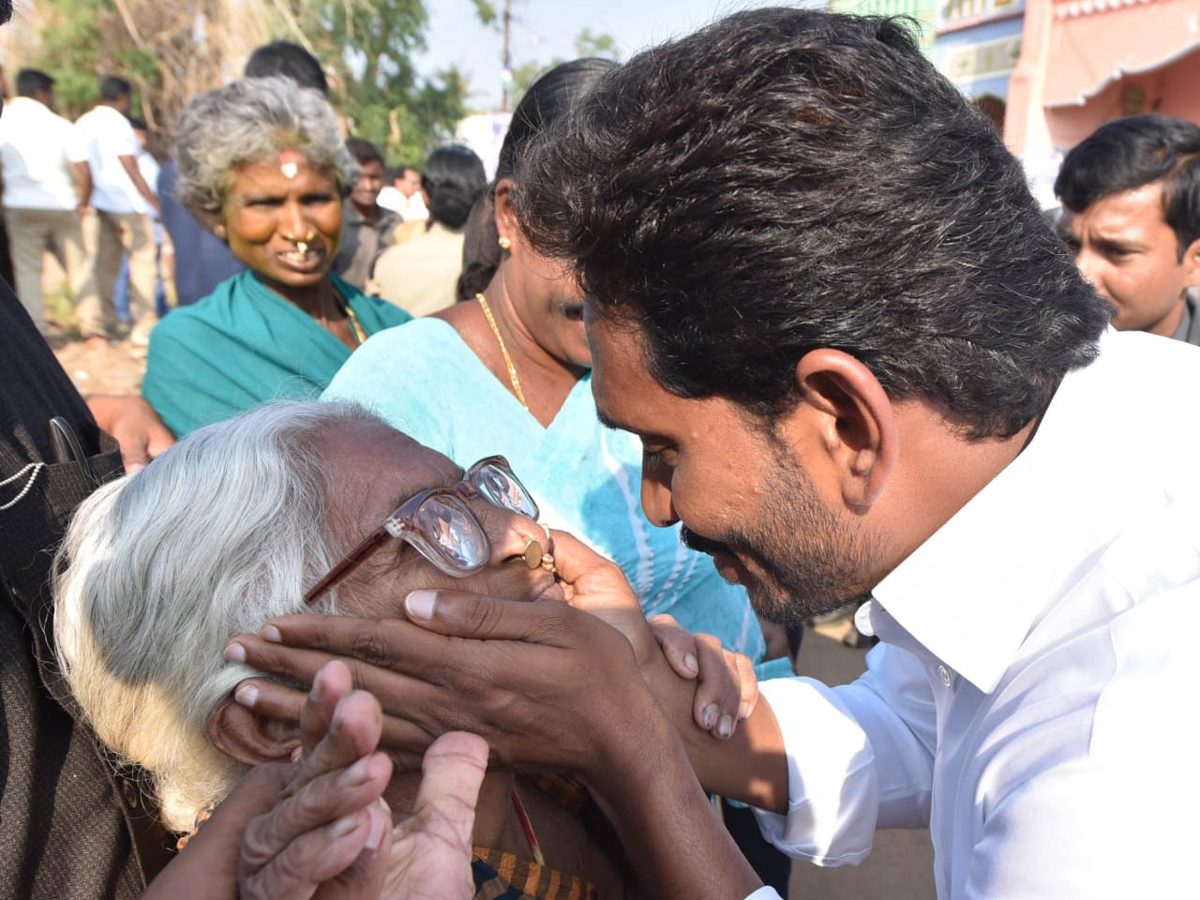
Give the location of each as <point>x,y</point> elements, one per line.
<point>455,531</point>
<point>502,489</point>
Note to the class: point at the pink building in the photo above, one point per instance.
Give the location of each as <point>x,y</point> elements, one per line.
<point>1086,62</point>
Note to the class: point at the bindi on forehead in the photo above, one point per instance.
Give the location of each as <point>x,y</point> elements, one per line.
<point>289,163</point>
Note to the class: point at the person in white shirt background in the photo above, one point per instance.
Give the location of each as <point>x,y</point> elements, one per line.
<point>105,155</point>
<point>402,194</point>
<point>164,254</point>
<point>39,194</point>
<point>861,364</point>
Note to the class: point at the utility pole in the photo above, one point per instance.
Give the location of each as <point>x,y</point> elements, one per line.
<point>507,55</point>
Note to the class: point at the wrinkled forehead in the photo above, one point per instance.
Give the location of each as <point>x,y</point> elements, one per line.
<point>373,468</point>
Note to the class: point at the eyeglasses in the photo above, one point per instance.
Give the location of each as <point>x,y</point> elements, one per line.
<point>441,526</point>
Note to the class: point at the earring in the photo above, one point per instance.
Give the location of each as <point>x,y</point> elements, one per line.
<point>504,243</point>
<point>219,231</point>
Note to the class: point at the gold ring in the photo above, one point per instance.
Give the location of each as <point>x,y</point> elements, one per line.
<point>533,553</point>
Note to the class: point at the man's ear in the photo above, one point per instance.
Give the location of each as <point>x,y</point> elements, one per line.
<point>249,738</point>
<point>1191,264</point>
<point>855,422</point>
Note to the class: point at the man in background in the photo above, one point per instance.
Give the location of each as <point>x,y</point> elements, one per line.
<point>39,195</point>
<point>105,157</point>
<point>1131,211</point>
<point>367,228</point>
<point>402,193</point>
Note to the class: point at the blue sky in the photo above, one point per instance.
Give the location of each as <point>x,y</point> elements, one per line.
<point>545,29</point>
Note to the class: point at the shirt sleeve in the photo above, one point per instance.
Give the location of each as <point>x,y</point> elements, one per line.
<point>764,893</point>
<point>860,757</point>
<point>117,139</point>
<point>77,150</point>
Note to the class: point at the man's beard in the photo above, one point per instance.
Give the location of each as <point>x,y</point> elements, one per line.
<point>804,562</point>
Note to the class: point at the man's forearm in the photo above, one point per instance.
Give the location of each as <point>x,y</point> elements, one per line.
<point>139,183</point>
<point>83,184</point>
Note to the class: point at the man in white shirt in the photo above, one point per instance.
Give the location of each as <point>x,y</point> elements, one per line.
<point>39,193</point>
<point>403,194</point>
<point>105,157</point>
<point>861,364</point>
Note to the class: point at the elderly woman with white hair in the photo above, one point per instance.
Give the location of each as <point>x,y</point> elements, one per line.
<point>261,163</point>
<point>278,511</point>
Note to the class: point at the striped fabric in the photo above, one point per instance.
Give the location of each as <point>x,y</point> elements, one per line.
<point>502,876</point>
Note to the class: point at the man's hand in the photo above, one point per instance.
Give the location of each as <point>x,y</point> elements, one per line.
<point>540,685</point>
<point>135,426</point>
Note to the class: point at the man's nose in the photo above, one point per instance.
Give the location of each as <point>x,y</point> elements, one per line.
<point>1090,265</point>
<point>658,502</point>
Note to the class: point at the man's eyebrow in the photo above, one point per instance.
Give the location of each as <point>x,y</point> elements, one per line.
<point>1116,244</point>
<point>609,422</point>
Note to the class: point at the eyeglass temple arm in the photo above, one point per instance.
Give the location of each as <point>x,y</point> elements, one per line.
<point>352,561</point>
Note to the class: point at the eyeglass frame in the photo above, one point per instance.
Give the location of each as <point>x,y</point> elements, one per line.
<point>400,525</point>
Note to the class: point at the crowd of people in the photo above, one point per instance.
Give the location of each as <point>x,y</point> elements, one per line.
<point>92,195</point>
<point>435,559</point>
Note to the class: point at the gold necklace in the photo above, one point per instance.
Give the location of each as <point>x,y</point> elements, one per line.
<point>356,329</point>
<point>512,370</point>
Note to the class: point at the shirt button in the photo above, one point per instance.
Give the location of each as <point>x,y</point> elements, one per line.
<point>944,674</point>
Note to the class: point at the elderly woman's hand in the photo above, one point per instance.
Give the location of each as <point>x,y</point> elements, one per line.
<point>331,834</point>
<point>724,679</point>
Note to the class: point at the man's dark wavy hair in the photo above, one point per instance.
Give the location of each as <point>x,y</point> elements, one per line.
<point>1130,153</point>
<point>786,180</point>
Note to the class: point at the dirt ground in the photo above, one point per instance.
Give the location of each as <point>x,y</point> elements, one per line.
<point>115,369</point>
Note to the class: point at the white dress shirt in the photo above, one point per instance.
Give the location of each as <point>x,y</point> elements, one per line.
<point>101,137</point>
<point>1032,701</point>
<point>149,168</point>
<point>33,153</point>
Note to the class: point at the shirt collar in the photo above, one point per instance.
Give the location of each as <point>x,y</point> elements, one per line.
<point>971,593</point>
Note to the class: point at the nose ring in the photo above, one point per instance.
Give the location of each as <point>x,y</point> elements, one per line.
<point>301,243</point>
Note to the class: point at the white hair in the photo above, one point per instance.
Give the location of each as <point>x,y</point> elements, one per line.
<point>160,569</point>
<point>250,121</point>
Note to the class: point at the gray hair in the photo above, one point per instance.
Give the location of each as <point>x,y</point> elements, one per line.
<point>161,568</point>
<point>250,121</point>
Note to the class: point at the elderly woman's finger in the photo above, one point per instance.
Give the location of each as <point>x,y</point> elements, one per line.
<point>353,732</point>
<point>431,856</point>
<point>335,804</point>
<point>452,772</point>
<point>331,683</point>
<point>324,854</point>
<point>717,704</point>
<point>678,645</point>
